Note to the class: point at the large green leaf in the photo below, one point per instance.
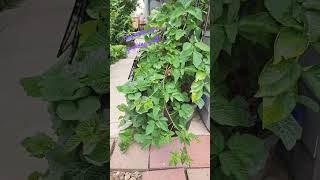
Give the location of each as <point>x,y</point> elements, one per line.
<point>58,87</point>
<point>254,157</point>
<point>279,78</point>
<point>258,23</point>
<point>282,12</point>
<point>288,130</point>
<point>31,86</point>
<point>310,103</point>
<point>82,109</point>
<point>196,12</point>
<point>232,165</point>
<point>229,113</point>
<point>38,145</point>
<point>217,142</point>
<point>277,108</point>
<point>289,44</point>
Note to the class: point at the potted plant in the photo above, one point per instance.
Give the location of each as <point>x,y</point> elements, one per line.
<point>170,78</point>
<point>257,48</point>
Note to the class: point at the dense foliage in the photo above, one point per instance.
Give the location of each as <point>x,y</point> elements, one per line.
<point>170,79</point>
<point>120,19</point>
<point>76,94</point>
<point>7,4</point>
<point>118,52</point>
<point>257,68</point>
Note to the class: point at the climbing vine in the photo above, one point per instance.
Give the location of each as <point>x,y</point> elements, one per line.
<point>170,79</point>
<point>257,69</point>
<point>77,96</point>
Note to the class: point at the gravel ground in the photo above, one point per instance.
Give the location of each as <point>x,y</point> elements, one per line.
<point>120,175</point>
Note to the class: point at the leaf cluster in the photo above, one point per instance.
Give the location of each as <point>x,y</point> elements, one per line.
<point>76,94</point>
<point>257,50</point>
<point>170,79</point>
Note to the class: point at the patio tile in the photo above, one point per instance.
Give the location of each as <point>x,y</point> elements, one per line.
<point>200,152</point>
<point>199,174</point>
<point>169,174</point>
<point>114,130</point>
<point>197,126</point>
<point>159,158</point>
<point>133,159</point>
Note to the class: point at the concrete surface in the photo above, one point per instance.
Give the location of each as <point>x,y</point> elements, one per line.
<point>30,36</point>
<point>119,75</point>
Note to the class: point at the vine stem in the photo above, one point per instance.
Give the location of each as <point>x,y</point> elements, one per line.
<point>206,23</point>
<point>165,106</point>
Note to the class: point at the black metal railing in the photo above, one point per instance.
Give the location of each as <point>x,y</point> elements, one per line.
<point>71,37</point>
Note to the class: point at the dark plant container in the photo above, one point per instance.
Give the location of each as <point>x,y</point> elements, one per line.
<point>205,112</point>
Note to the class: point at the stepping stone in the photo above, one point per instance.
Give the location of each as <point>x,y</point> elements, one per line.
<point>159,158</point>
<point>200,152</point>
<point>133,159</point>
<point>199,174</point>
<point>169,174</point>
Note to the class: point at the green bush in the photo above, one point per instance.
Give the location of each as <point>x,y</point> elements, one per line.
<point>7,4</point>
<point>120,19</point>
<point>171,78</point>
<point>257,49</point>
<point>118,52</point>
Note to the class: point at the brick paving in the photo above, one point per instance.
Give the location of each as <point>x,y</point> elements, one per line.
<point>133,159</point>
<point>169,174</point>
<point>154,162</point>
<point>159,158</point>
<point>200,152</point>
<point>199,174</point>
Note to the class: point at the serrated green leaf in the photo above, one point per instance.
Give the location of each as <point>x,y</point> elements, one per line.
<point>231,165</point>
<point>277,108</point>
<point>202,46</point>
<point>228,113</point>
<point>38,145</point>
<point>279,78</point>
<point>289,44</point>
<point>310,103</point>
<point>196,12</point>
<point>72,143</point>
<point>288,130</point>
<point>197,58</point>
<point>150,127</point>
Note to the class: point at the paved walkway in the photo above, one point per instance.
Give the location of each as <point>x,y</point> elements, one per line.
<point>30,36</point>
<point>154,162</point>
<point>119,75</point>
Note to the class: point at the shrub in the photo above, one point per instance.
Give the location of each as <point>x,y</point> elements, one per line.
<point>171,77</point>
<point>257,47</point>
<point>77,98</point>
<point>118,52</point>
<point>120,19</point>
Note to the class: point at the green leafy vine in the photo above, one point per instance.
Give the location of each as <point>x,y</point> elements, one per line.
<point>169,81</point>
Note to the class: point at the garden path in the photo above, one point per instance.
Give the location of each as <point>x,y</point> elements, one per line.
<point>30,35</point>
<point>119,73</point>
